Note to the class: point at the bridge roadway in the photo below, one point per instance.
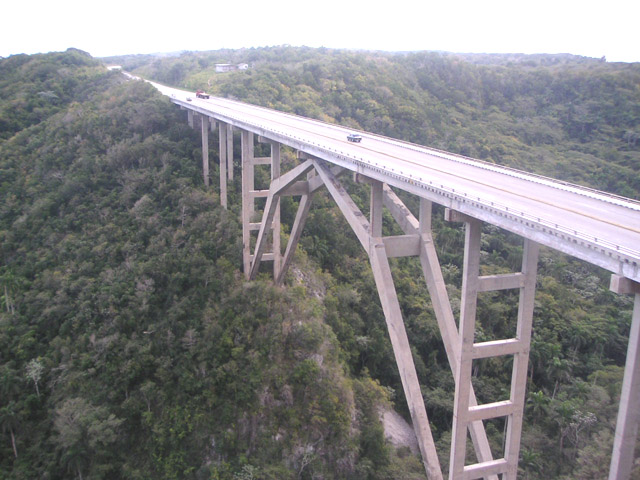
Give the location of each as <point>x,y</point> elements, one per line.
<point>600,228</point>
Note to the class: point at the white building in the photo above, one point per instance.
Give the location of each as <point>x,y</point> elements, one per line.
<point>229,67</point>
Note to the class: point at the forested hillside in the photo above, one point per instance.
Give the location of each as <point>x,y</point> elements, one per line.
<point>131,346</point>
<point>568,117</point>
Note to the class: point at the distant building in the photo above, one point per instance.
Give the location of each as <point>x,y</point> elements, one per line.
<point>229,67</point>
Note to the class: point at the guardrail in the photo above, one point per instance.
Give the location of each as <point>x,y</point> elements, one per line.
<point>623,253</point>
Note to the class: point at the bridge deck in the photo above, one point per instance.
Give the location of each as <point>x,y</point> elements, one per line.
<point>595,226</point>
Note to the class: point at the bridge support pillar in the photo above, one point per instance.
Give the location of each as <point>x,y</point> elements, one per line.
<point>467,329</point>
<point>247,199</point>
<point>275,229</point>
<point>629,410</point>
<point>465,412</point>
<point>439,300</point>
<point>222,154</point>
<point>230,151</point>
<point>204,120</point>
<point>271,216</point>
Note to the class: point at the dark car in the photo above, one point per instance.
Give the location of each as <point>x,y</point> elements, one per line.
<point>354,137</point>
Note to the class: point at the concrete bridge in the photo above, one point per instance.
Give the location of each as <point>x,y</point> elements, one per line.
<point>597,227</point>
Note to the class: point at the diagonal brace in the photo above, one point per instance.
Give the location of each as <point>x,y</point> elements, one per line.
<point>313,184</point>
<point>350,210</point>
<point>404,359</point>
<point>277,186</point>
<point>296,232</point>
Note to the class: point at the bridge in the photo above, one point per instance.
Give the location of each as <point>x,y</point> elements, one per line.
<point>597,227</point>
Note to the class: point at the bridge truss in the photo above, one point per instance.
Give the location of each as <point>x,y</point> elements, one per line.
<point>261,243</point>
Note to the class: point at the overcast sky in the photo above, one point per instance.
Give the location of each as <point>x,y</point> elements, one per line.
<point>116,27</point>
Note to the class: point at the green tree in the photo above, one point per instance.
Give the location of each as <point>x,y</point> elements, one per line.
<point>84,432</point>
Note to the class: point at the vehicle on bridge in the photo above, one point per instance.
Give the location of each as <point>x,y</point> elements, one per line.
<point>354,137</point>
<point>201,94</point>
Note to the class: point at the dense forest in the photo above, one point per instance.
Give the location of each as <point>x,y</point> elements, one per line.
<point>132,347</point>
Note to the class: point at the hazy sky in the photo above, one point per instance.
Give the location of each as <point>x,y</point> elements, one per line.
<point>115,27</point>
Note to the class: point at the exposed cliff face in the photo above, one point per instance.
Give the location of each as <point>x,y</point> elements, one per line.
<point>398,431</point>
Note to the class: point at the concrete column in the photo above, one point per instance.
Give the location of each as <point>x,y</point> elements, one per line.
<point>204,120</point>
<point>627,425</point>
<point>275,173</point>
<point>375,205</point>
<point>464,359</point>
<point>521,358</point>
<point>426,208</point>
<point>230,151</point>
<point>222,150</point>
<point>247,199</point>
